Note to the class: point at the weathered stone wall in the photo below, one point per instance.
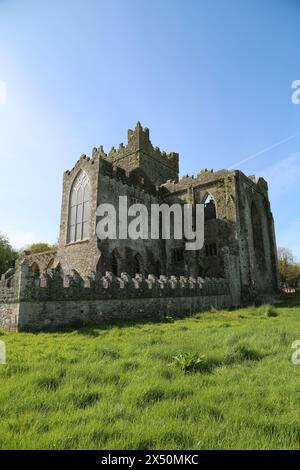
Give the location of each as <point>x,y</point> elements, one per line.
<point>258,264</point>
<point>43,315</point>
<point>252,270</point>
<point>149,251</point>
<point>41,261</point>
<point>54,299</point>
<point>220,231</point>
<point>9,301</point>
<point>9,313</point>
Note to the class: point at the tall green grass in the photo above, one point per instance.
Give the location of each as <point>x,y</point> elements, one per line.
<point>118,387</point>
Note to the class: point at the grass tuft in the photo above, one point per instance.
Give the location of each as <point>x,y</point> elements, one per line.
<point>268,311</point>
<point>83,400</point>
<point>242,353</point>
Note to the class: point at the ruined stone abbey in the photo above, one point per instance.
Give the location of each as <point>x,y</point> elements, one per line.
<point>88,280</point>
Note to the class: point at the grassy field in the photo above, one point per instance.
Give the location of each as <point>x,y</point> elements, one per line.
<point>119,388</point>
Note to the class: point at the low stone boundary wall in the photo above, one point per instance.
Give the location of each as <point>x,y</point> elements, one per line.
<point>32,302</point>
<point>42,315</point>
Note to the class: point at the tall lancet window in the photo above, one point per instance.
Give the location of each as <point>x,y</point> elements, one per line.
<point>78,228</point>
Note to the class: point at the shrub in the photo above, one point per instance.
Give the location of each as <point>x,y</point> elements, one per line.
<point>190,362</point>
<point>268,311</point>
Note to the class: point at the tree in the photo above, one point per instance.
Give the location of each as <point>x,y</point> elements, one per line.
<point>7,254</point>
<point>289,271</point>
<point>293,276</point>
<point>40,248</point>
<point>285,254</point>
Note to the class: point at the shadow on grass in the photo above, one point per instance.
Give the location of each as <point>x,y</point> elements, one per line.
<point>241,354</point>
<point>94,330</point>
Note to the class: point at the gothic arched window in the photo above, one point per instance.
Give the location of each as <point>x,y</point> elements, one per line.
<point>79,208</point>
<point>210,208</point>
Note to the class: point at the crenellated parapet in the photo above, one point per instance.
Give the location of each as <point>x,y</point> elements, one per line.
<point>139,141</point>
<point>54,285</point>
<point>138,153</point>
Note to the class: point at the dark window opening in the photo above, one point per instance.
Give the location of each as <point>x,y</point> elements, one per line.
<point>210,209</point>
<point>178,255</point>
<point>211,249</point>
<point>114,265</point>
<point>157,269</point>
<point>138,264</point>
<point>135,200</point>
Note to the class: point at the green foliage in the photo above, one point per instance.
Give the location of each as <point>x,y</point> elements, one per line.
<point>269,311</point>
<point>112,387</point>
<point>289,271</point>
<point>189,362</point>
<point>7,255</point>
<point>40,247</point>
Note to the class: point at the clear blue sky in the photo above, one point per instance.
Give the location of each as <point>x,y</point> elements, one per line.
<point>211,79</point>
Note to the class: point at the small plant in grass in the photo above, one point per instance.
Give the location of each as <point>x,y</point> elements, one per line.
<point>190,362</point>
<point>268,311</point>
<point>271,312</point>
